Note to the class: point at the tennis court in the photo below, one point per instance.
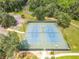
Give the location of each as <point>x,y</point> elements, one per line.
<point>44,35</point>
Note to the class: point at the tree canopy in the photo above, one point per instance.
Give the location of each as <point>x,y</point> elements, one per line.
<point>66,3</point>
<point>6,20</point>
<point>9,44</point>
<point>12,5</point>
<point>43,8</point>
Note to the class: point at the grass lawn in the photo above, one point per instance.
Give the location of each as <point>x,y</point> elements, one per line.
<point>71,34</point>
<point>75,22</point>
<point>69,57</point>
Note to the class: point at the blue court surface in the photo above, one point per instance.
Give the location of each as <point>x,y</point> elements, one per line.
<point>44,36</point>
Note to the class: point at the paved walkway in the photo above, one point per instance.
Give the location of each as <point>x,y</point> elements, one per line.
<point>66,54</point>
<point>44,54</point>
<point>15,31</point>
<point>58,55</point>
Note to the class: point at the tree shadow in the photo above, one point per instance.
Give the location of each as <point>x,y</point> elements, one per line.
<point>23,46</point>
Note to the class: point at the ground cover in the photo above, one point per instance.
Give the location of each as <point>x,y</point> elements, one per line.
<point>68,57</point>
<point>71,34</point>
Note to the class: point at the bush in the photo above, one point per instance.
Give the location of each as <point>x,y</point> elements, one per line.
<point>52,7</point>
<point>52,57</point>
<point>69,6</point>
<point>2,54</point>
<point>75,11</point>
<point>9,44</point>
<point>10,6</point>
<point>66,3</point>
<point>63,19</point>
<point>52,53</point>
<point>40,13</point>
<point>6,20</point>
<point>42,8</point>
<point>33,4</point>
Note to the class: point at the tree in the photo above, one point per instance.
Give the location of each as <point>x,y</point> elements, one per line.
<point>12,5</point>
<point>65,3</point>
<point>63,19</point>
<point>69,6</point>
<point>63,10</point>
<point>2,54</point>
<point>42,8</point>
<point>40,13</point>
<point>6,20</point>
<point>74,11</point>
<point>9,44</point>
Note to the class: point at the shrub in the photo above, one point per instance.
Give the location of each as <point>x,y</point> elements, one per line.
<point>52,57</point>
<point>63,19</point>
<point>42,8</point>
<point>10,6</point>
<point>6,20</point>
<point>9,44</point>
<point>52,53</point>
<point>40,13</point>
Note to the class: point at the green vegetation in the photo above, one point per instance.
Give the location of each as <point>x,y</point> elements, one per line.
<point>75,22</point>
<point>42,8</point>
<point>9,44</point>
<point>52,53</point>
<point>69,57</point>
<point>52,57</point>
<point>6,20</point>
<point>26,55</point>
<point>64,19</point>
<point>59,9</point>
<point>69,6</point>
<point>66,3</point>
<point>7,6</point>
<point>63,10</point>
<point>2,54</point>
<point>71,34</point>
<point>40,13</point>
<point>12,5</point>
